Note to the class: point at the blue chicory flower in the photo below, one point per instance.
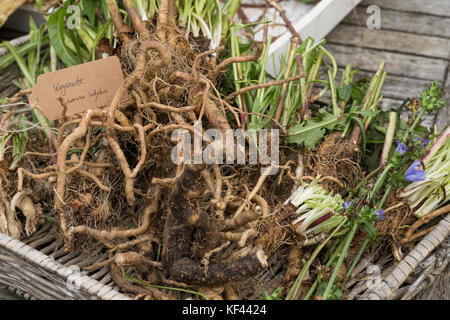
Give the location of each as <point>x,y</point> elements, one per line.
<point>379,214</point>
<point>401,148</point>
<point>413,173</point>
<point>348,204</point>
<point>424,141</point>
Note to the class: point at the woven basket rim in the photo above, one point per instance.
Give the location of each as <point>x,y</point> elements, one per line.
<point>84,282</point>
<point>410,262</point>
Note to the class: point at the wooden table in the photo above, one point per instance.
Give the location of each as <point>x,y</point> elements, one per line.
<point>414,39</point>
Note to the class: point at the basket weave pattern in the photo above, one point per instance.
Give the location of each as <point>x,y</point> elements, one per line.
<point>39,275</point>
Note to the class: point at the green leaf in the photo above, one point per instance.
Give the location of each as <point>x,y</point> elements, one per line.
<point>32,56</point>
<point>84,36</point>
<point>56,26</point>
<point>358,90</point>
<point>345,92</point>
<point>368,113</point>
<point>89,10</point>
<point>431,98</point>
<point>275,295</point>
<point>8,58</point>
<point>20,61</point>
<point>309,133</point>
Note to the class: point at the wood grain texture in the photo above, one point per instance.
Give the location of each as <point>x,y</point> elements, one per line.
<point>27,269</point>
<point>436,7</point>
<point>395,41</point>
<point>399,64</point>
<point>397,87</point>
<point>410,22</point>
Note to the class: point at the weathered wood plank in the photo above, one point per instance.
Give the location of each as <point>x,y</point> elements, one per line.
<point>399,87</point>
<point>391,41</point>
<point>404,21</point>
<point>428,120</point>
<point>316,23</point>
<point>436,7</point>
<point>395,87</point>
<point>399,64</point>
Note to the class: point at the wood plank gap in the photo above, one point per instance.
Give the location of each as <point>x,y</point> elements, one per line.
<point>439,8</point>
<point>404,21</point>
<point>389,51</point>
<point>397,63</point>
<point>393,41</point>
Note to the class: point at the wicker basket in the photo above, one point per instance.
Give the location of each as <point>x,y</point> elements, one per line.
<point>36,269</point>
<point>416,272</point>
<point>38,276</point>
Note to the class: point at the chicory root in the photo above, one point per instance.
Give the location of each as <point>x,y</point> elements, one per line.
<point>120,234</point>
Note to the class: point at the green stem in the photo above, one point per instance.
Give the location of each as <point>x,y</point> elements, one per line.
<point>376,98</point>
<point>335,254</point>
<point>294,290</point>
<point>380,180</point>
<point>311,290</point>
<point>386,193</point>
<point>336,110</point>
<point>411,128</point>
<point>330,250</point>
<point>236,66</point>
<point>389,138</point>
<point>358,256</point>
<point>329,262</point>
<point>341,259</point>
<point>353,109</point>
<point>333,61</point>
<point>146,284</point>
<point>347,79</point>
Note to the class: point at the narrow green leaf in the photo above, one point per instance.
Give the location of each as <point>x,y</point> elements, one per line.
<point>20,61</point>
<point>89,10</point>
<point>8,58</point>
<point>56,26</point>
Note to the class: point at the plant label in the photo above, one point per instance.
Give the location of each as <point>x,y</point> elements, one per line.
<point>79,88</point>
